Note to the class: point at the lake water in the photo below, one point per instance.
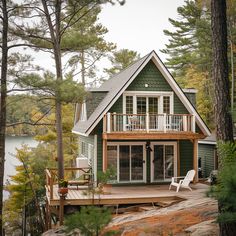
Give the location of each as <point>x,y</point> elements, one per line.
<point>10,161</point>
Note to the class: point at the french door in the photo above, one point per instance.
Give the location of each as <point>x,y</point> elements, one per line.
<point>129,161</point>
<point>163,161</point>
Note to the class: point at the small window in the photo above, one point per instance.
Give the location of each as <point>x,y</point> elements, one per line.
<point>83,148</point>
<point>129,104</point>
<point>166,104</point>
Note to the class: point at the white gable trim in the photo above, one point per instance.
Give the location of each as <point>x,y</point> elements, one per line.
<point>172,84</point>
<point>180,94</point>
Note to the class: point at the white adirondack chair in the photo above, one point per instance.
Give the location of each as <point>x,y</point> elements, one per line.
<point>184,183</point>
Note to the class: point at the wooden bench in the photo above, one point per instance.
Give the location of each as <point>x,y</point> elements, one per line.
<point>84,179</point>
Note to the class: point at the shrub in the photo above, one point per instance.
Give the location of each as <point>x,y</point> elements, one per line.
<point>90,220</point>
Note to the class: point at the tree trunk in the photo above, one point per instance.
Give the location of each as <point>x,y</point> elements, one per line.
<point>82,67</point>
<point>223,118</point>
<point>55,37</point>
<point>3,104</point>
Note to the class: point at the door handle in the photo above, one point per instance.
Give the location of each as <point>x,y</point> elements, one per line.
<point>143,161</point>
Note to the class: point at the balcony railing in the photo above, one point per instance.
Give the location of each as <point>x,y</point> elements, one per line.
<point>114,122</point>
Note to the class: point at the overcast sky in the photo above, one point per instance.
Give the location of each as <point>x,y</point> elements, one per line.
<point>138,25</point>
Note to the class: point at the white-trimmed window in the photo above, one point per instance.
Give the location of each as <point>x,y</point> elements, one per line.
<point>166,104</point>
<point>142,102</point>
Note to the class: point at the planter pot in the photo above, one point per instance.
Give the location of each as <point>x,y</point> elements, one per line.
<point>107,188</point>
<point>63,191</point>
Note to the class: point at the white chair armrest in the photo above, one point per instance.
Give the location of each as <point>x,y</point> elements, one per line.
<point>179,177</point>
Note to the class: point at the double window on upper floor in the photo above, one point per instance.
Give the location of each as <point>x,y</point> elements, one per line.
<point>148,102</point>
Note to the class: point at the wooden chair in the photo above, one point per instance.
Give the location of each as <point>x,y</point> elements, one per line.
<point>184,183</point>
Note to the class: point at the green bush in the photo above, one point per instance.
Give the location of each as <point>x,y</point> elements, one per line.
<point>90,220</point>
<point>225,190</point>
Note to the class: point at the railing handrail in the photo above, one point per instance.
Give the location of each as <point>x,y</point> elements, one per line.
<point>119,122</point>
<point>144,114</point>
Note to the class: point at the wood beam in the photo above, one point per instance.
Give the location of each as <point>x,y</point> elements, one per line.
<point>178,159</point>
<point>195,159</point>
<point>159,136</point>
<point>104,153</point>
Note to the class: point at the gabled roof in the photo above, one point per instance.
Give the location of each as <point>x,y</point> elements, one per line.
<point>120,82</point>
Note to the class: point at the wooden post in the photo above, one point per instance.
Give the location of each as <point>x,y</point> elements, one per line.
<point>195,159</point>
<point>104,153</point>
<point>178,159</point>
<point>61,210</point>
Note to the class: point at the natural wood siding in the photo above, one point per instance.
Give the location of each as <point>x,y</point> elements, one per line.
<point>206,153</point>
<point>186,156</point>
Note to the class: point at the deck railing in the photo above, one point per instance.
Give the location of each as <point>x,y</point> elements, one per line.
<point>114,122</point>
<point>72,174</point>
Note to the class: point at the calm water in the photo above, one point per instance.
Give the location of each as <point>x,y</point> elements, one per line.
<point>11,144</point>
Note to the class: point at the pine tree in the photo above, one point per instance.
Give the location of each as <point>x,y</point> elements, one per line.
<point>189,49</point>
<point>86,37</point>
<point>120,60</point>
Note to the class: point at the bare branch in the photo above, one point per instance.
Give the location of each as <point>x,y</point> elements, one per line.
<point>27,123</point>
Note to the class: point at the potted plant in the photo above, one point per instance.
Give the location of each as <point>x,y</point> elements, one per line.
<point>63,187</point>
<point>105,179</point>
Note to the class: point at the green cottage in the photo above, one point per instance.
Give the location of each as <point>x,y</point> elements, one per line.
<point>141,123</point>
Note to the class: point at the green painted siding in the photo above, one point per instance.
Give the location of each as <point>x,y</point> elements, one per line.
<point>186,156</point>
<point>118,106</point>
<point>150,75</point>
<point>206,152</point>
<point>179,108</point>
<point>99,147</point>
<point>92,101</point>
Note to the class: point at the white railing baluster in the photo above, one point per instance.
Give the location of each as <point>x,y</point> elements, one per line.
<point>164,122</point>
<point>193,124</point>
<point>147,122</point>
<point>108,122</point>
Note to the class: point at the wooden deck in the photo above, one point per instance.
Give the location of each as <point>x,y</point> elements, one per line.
<point>122,195</point>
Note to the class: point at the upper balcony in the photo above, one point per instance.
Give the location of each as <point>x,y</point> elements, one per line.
<point>148,125</point>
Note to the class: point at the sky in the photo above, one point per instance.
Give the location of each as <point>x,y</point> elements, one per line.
<point>138,25</point>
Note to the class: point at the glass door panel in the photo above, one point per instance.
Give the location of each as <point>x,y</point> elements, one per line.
<point>112,159</point>
<point>137,162</point>
<point>124,163</point>
<point>158,162</point>
<point>153,112</point>
<point>141,105</point>
<point>169,161</point>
